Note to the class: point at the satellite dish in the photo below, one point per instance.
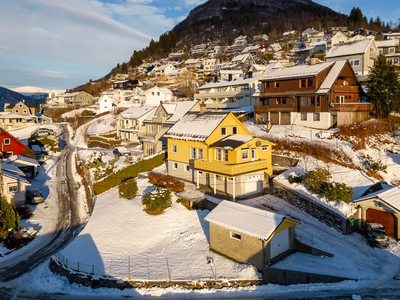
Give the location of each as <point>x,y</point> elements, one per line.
<point>258,143</point>
<point>332,104</point>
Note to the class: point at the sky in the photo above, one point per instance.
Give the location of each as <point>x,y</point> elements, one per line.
<point>60,44</point>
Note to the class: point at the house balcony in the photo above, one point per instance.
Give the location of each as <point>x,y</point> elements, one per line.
<point>352,107</point>
<point>231,169</point>
<point>261,109</point>
<point>124,127</point>
<point>159,120</point>
<point>346,88</point>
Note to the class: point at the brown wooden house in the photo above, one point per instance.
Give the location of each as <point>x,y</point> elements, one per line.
<point>319,96</point>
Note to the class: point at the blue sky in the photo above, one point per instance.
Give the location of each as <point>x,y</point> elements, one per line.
<point>59,44</point>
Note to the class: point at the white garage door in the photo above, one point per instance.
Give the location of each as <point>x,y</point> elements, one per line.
<point>252,184</point>
<point>279,243</point>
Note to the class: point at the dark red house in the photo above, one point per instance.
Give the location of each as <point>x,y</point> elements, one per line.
<point>10,145</point>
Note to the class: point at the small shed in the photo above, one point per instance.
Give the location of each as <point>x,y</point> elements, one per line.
<point>381,207</point>
<point>250,235</point>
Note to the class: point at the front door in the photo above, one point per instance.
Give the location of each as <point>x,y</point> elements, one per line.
<point>253,154</point>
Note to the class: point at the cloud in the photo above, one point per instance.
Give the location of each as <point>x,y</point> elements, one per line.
<point>52,74</point>
<point>178,8</point>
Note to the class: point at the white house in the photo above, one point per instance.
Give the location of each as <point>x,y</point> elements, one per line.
<point>130,121</point>
<point>338,38</point>
<point>155,95</point>
<point>361,55</point>
<point>164,70</point>
<point>14,187</point>
<point>105,104</point>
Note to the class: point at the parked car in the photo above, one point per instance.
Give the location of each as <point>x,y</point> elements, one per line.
<point>24,211</point>
<point>120,151</point>
<point>34,196</point>
<point>375,235</point>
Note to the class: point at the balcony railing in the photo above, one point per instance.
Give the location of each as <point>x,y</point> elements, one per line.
<point>353,107</point>
<point>231,170</point>
<point>261,109</point>
<point>346,88</point>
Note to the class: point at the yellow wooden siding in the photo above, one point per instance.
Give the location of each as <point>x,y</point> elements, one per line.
<point>183,149</point>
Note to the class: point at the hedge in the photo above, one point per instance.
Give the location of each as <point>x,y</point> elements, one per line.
<point>129,172</point>
<point>166,181</point>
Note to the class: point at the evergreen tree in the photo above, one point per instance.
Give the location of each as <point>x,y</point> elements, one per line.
<point>383,87</point>
<point>9,218</point>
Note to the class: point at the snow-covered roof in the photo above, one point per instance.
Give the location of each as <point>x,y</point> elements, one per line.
<point>231,72</point>
<point>23,158</point>
<point>12,169</point>
<point>135,112</point>
<point>387,43</point>
<point>240,57</point>
<point>177,109</point>
<point>12,175</point>
<point>346,49</point>
<point>196,127</point>
<point>390,195</point>
<point>245,219</point>
<point>163,67</point>
<point>331,76</point>
<point>297,71</point>
<point>235,81</point>
<point>192,61</point>
<point>16,116</point>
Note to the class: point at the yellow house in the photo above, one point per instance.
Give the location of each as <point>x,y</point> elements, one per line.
<point>217,150</point>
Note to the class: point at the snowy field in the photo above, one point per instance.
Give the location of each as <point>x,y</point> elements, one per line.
<point>176,241</point>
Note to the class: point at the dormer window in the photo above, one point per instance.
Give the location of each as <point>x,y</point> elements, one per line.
<point>276,84</point>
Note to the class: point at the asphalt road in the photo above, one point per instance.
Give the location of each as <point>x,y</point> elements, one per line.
<point>68,221</point>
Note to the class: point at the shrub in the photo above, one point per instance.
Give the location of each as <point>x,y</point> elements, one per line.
<point>87,112</point>
<point>336,191</point>
<point>128,189</point>
<point>374,165</point>
<point>295,179</point>
<point>166,181</point>
<point>28,153</point>
<point>157,200</point>
<point>314,179</point>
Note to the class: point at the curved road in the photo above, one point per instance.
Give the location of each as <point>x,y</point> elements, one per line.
<point>68,219</point>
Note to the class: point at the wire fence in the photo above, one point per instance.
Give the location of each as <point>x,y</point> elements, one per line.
<point>168,270</point>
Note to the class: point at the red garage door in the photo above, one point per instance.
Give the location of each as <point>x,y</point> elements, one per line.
<point>386,219</point>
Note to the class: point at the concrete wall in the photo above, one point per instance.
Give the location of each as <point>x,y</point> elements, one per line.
<point>287,277</point>
<point>284,161</point>
<point>321,213</point>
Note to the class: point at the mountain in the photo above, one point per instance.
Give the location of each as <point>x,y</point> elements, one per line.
<point>8,96</point>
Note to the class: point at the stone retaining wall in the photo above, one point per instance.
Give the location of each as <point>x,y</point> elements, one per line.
<point>316,210</point>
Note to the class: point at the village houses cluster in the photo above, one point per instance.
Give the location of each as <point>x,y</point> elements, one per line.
<point>192,105</point>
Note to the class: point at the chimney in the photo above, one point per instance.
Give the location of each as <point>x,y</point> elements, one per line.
<point>203,108</point>
<point>250,74</point>
<point>229,77</point>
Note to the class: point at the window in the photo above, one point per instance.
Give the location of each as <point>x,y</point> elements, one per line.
<point>304,101</point>
<point>245,154</point>
<point>318,101</point>
<point>264,148</point>
<point>267,85</point>
<point>199,153</point>
<point>316,117</point>
<point>355,63</point>
<point>306,83</point>
<point>221,154</point>
<point>17,111</point>
<point>175,166</point>
<point>158,93</point>
<point>192,153</point>
<point>391,50</point>
<point>339,99</point>
<point>234,130</point>
<point>223,131</point>
<point>308,101</point>
<point>24,111</point>
<point>174,148</point>
<point>236,236</point>
<point>311,101</point>
<point>304,117</point>
<point>187,168</point>
<point>276,84</point>
<point>280,101</point>
<point>13,187</point>
<point>152,93</point>
<point>6,141</point>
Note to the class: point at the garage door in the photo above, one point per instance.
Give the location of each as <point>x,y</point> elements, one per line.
<point>253,184</point>
<point>285,118</point>
<point>279,243</point>
<point>386,219</point>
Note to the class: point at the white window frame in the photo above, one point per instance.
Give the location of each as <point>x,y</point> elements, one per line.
<point>192,153</point>
<point>339,99</point>
<point>187,168</point>
<point>175,166</point>
<point>264,148</point>
<point>13,187</point>
<point>316,117</point>
<point>245,154</point>
<point>222,153</point>
<point>7,141</point>
<point>301,117</point>
<point>224,131</point>
<point>174,148</point>
<point>235,128</point>
<point>236,236</point>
